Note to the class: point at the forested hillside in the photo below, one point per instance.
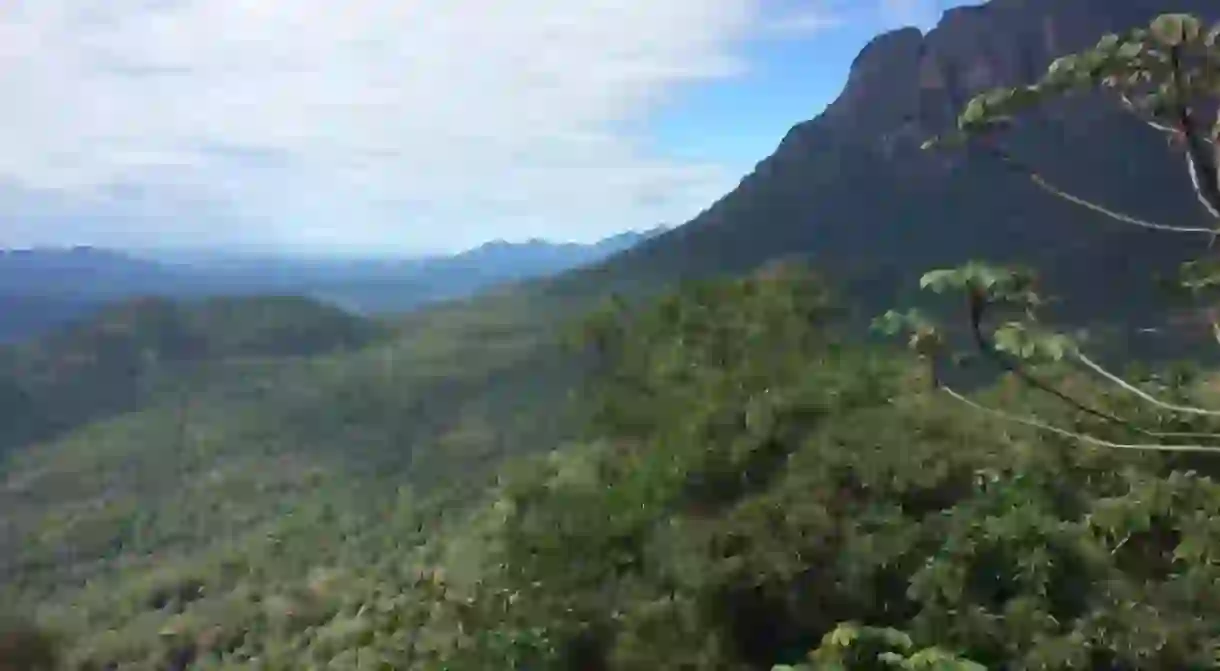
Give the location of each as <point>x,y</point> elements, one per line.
<point>718,475</point>
<point>133,352</point>
<point>244,467</point>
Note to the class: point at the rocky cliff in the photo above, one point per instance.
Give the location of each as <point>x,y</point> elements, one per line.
<point>852,189</point>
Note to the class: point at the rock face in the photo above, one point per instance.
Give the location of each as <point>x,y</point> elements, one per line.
<point>905,77</point>
<point>852,189</point>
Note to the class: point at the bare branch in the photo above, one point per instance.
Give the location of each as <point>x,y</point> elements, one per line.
<point>1080,437</point>
<point>1134,109</point>
<point>1127,386</point>
<point>1201,153</point>
<point>1050,188</point>
<point>987,349</point>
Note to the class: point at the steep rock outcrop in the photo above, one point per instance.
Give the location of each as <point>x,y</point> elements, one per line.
<point>852,189</point>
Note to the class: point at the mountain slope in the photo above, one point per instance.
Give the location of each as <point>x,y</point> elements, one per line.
<point>222,500</point>
<point>852,190</point>
<point>83,271</point>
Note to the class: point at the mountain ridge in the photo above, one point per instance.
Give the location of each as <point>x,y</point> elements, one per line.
<point>852,191</point>
<point>43,288</point>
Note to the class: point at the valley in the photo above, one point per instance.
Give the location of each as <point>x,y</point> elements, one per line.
<point>680,449</point>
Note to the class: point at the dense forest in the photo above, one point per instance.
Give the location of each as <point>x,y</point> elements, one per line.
<point>722,475</point>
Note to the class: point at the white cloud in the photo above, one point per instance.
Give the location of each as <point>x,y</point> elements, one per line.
<point>800,23</point>
<point>361,122</point>
<point>922,14</point>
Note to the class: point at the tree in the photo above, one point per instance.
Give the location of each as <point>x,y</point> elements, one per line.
<point>1168,75</point>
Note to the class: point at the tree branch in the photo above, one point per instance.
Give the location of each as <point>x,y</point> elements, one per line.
<point>1041,182</point>
<point>1080,437</point>
<point>1201,153</point>
<point>1127,386</point>
<point>1135,110</point>
<point>988,350</point>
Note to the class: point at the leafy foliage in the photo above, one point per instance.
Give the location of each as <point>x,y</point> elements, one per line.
<point>1159,72</point>
<point>854,647</point>
<point>201,526</point>
<point>810,484</point>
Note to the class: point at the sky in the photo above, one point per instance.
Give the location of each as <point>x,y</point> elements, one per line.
<point>401,126</point>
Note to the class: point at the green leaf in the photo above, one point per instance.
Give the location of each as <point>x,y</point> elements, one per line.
<point>1109,42</point>
<point>1200,274</point>
<point>1191,549</point>
<point>940,280</point>
<point>976,113</point>
<point>1019,340</point>
<point>895,638</point>
<point>889,323</point>
<point>1063,66</point>
<point>892,659</point>
<point>1130,50</point>
<point>843,636</point>
<point>894,322</point>
<point>1026,96</point>
<point>1173,30</point>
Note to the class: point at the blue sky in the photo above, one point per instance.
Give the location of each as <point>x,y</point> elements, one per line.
<point>395,126</point>
<point>738,121</point>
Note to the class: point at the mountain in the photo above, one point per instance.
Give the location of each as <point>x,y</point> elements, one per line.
<point>85,272</point>
<point>536,257</point>
<point>430,280</point>
<point>852,190</point>
<point>25,315</point>
<point>43,288</point>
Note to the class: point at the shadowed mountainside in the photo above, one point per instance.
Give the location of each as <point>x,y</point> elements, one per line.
<point>852,191</point>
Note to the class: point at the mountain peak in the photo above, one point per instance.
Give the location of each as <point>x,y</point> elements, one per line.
<point>851,190</point>
<point>906,85</point>
<point>884,47</point>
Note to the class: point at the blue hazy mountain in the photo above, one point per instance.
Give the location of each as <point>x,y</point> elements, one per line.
<point>44,287</point>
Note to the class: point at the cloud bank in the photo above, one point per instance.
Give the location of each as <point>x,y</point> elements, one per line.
<point>360,124</point>
<point>920,13</point>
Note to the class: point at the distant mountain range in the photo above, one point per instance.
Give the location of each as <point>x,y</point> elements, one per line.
<point>44,287</point>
